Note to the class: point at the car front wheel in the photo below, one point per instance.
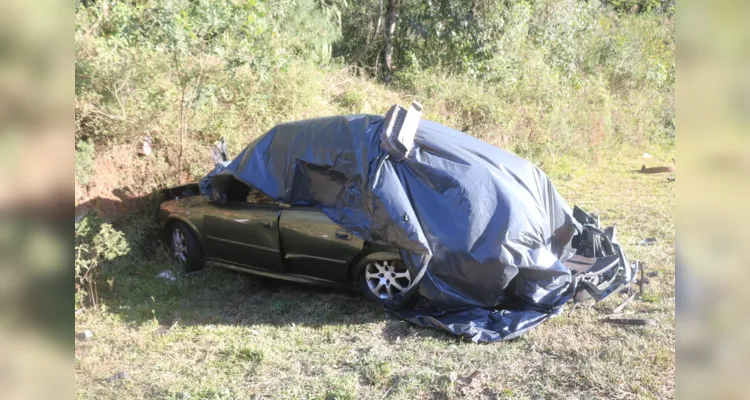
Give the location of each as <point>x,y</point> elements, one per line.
<point>382,280</point>
<point>185,247</point>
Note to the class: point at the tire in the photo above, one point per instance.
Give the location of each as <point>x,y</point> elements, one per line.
<point>380,279</point>
<point>186,249</point>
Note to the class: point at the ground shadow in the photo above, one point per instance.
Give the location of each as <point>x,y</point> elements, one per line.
<point>228,298</point>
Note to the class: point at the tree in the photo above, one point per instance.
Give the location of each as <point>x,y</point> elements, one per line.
<point>390,28</point>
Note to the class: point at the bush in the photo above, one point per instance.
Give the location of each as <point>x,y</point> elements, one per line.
<point>84,166</point>
<point>542,78</point>
<point>96,244</point>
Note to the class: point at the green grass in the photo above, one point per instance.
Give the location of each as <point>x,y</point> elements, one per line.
<point>237,336</point>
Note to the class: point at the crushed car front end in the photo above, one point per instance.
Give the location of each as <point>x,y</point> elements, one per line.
<point>600,266</point>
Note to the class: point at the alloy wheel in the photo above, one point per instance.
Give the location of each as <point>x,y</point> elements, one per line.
<point>179,246</point>
<point>387,278</point>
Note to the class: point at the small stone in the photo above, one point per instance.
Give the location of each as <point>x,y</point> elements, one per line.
<point>146,148</point>
<point>653,274</point>
<point>118,377</point>
<point>166,274</point>
<point>86,335</point>
<point>163,329</point>
<point>647,241</point>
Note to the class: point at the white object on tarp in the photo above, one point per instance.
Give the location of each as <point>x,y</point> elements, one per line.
<point>166,274</point>
<point>400,128</point>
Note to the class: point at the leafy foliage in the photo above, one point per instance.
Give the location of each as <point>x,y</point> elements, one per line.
<point>147,54</point>
<point>96,243</point>
<point>84,159</point>
<point>540,77</point>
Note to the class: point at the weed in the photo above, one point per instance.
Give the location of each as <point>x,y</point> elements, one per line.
<point>375,371</point>
<point>251,355</point>
<point>96,243</point>
<point>650,297</point>
<point>84,167</point>
<point>350,100</point>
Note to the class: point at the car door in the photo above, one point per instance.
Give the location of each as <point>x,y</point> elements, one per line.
<point>244,233</point>
<point>315,246</point>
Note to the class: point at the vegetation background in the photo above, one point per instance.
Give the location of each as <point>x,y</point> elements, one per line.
<point>542,78</point>
<point>575,86</point>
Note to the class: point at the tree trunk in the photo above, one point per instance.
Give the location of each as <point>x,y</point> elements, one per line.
<point>371,34</point>
<point>380,17</point>
<point>390,28</point>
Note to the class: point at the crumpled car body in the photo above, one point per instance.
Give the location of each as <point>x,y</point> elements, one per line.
<point>490,246</point>
<point>299,244</point>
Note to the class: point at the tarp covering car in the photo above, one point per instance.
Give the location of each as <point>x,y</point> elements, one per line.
<point>476,224</point>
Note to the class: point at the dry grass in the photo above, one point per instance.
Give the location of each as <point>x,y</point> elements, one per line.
<point>237,336</point>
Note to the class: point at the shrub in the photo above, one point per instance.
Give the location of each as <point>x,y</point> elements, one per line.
<point>96,243</point>
<point>542,78</point>
<point>84,166</point>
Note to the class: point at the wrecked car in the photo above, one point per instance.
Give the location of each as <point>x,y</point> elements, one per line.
<point>247,231</point>
<point>442,228</point>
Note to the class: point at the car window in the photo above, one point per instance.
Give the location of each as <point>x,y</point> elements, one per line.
<point>234,191</point>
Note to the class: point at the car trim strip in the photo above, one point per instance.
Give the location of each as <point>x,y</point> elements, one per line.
<point>296,255</point>
<point>242,244</point>
<point>283,276</point>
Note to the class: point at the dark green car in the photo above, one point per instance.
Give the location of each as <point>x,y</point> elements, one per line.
<point>250,232</point>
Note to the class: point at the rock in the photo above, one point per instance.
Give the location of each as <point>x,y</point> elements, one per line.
<point>145,149</point>
<point>118,377</point>
<point>470,385</point>
<point>165,326</point>
<point>85,335</point>
<point>81,212</point>
<point>166,274</point>
<point>647,241</point>
<point>163,329</point>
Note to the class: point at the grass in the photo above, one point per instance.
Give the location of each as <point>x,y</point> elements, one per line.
<point>238,336</point>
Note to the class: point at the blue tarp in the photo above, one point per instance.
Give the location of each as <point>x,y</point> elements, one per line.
<point>475,222</point>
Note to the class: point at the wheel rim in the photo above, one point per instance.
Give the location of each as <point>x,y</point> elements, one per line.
<point>179,246</point>
<point>387,278</point>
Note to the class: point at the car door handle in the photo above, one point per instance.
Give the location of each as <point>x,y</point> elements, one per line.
<point>343,235</point>
<point>266,224</point>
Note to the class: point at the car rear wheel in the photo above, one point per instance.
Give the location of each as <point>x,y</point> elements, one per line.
<point>382,280</point>
<point>186,248</point>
